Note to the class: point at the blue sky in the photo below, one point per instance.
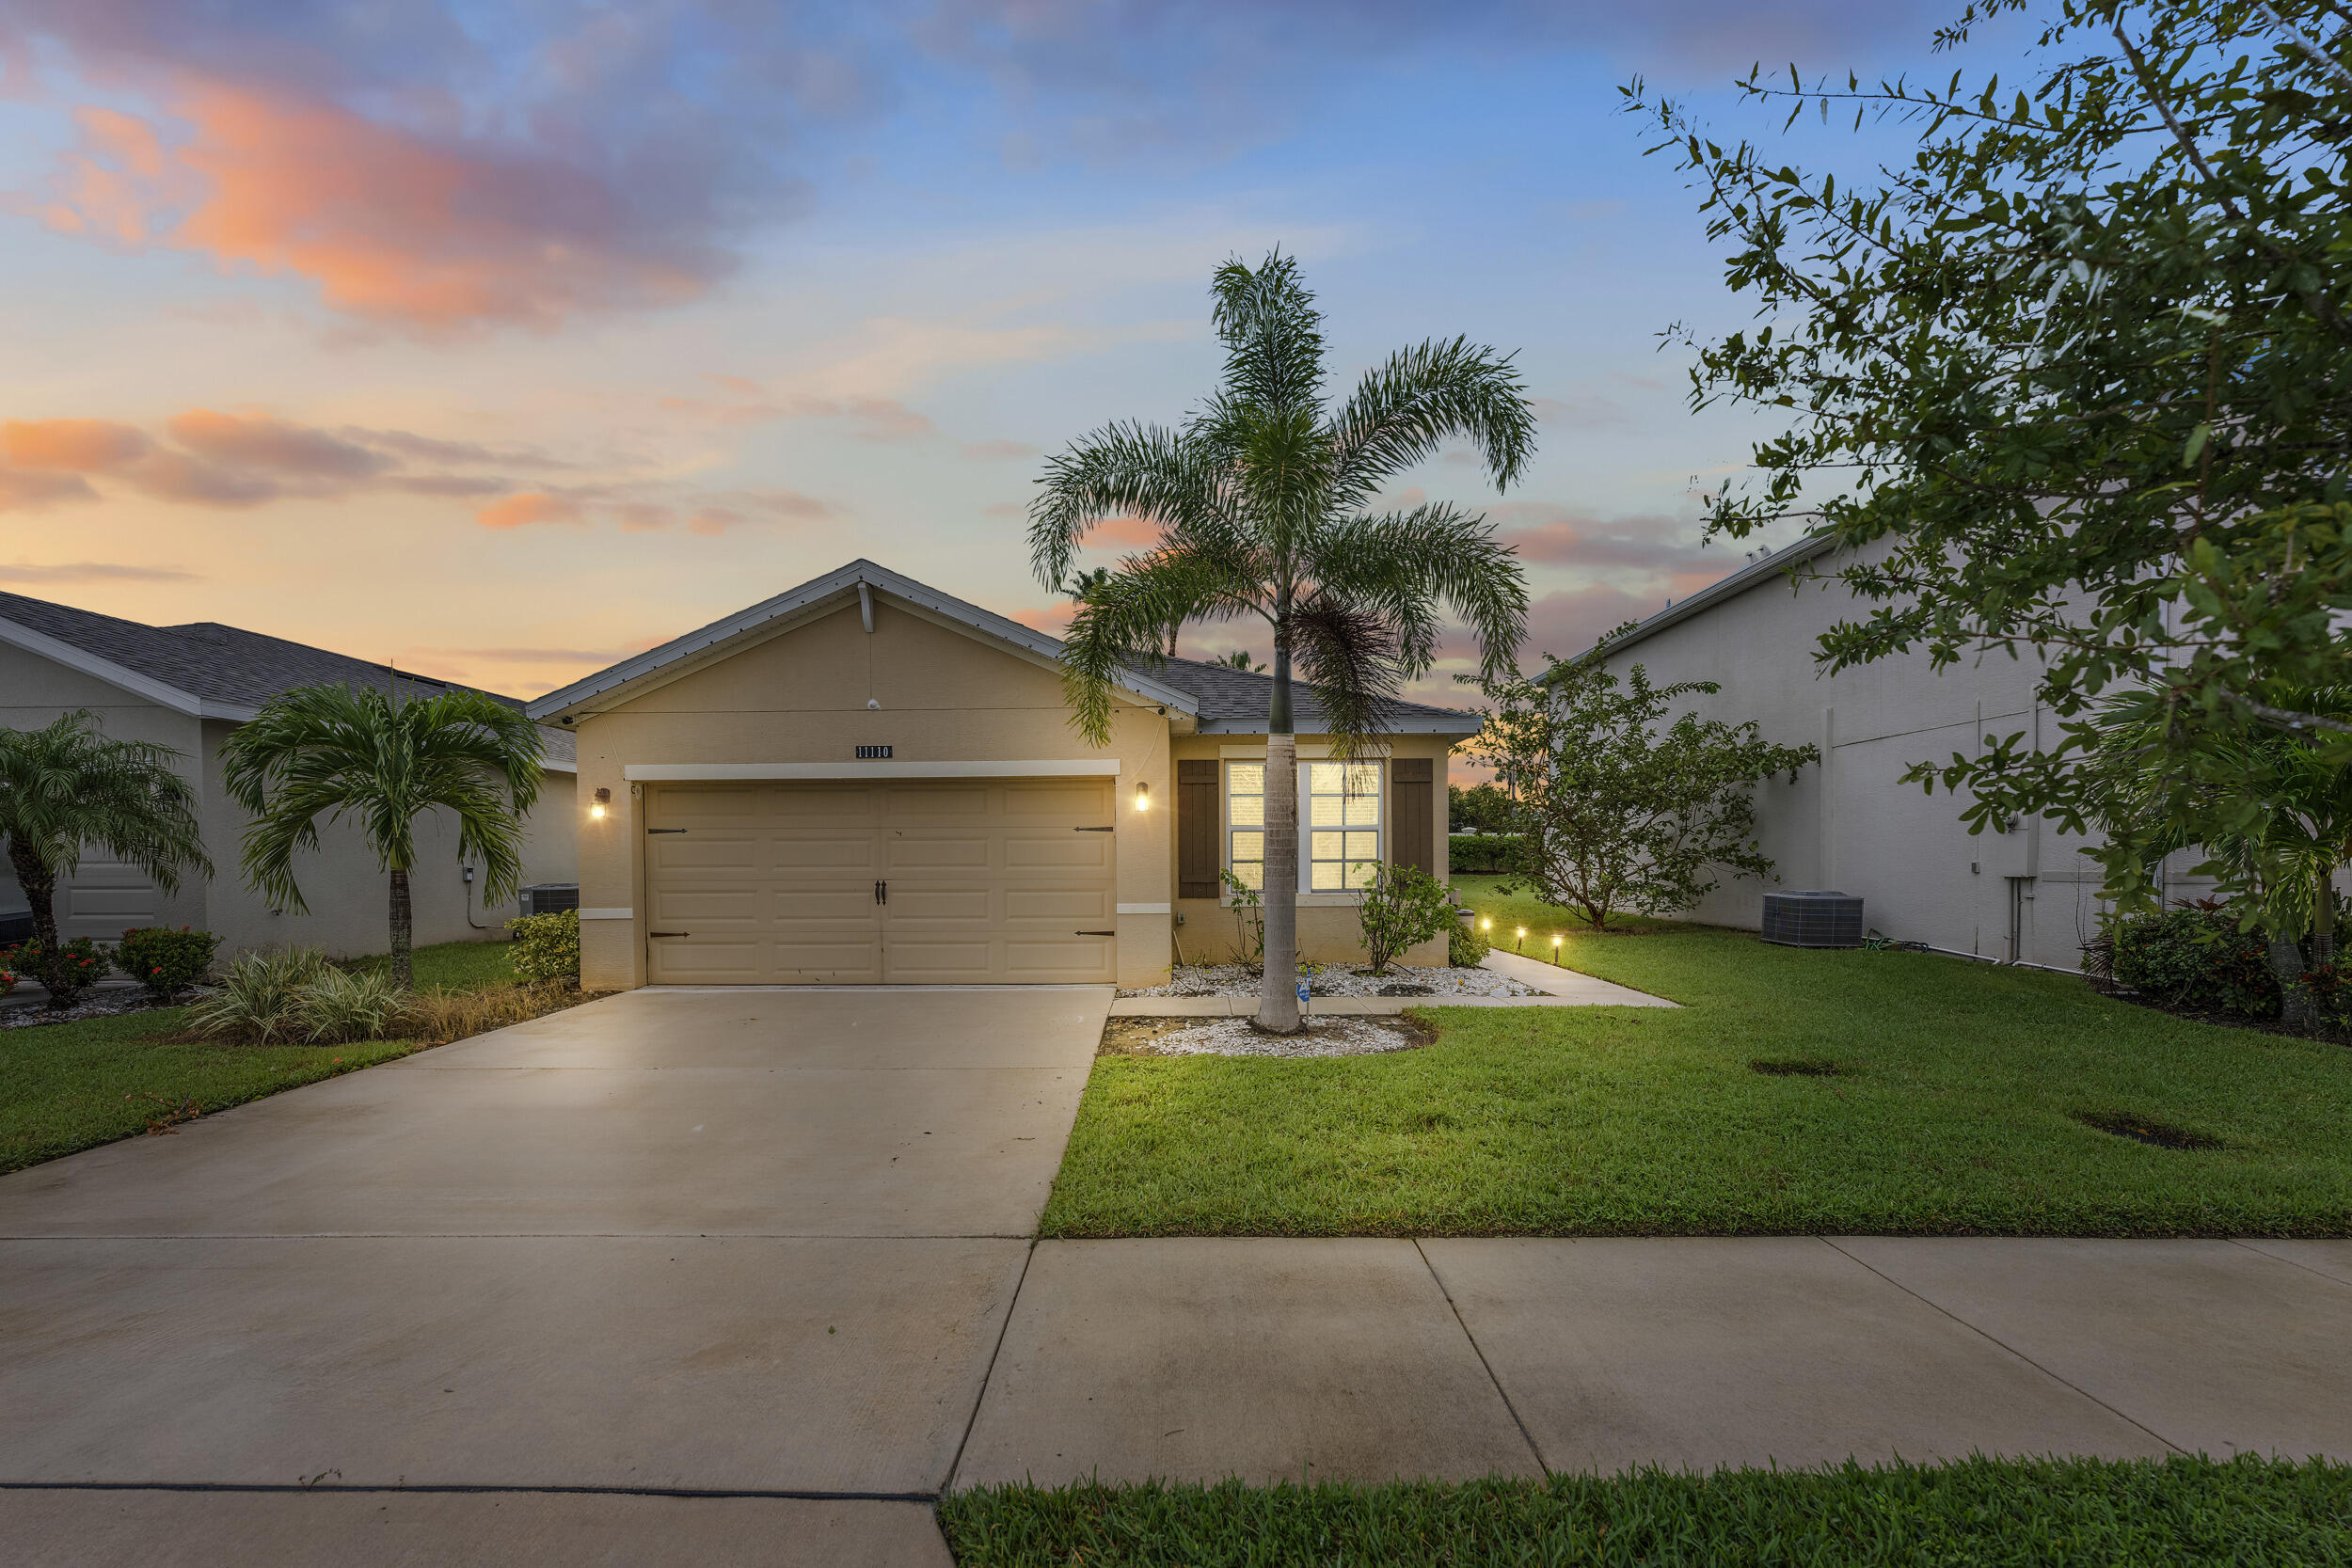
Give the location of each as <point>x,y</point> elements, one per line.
<point>504,340</point>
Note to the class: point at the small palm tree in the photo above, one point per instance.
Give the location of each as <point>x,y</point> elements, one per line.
<point>65,787</point>
<point>356,752</point>
<point>1262,499</point>
<point>1239,660</point>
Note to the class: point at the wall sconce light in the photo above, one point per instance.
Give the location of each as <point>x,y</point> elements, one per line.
<point>604,798</point>
<point>1143,796</point>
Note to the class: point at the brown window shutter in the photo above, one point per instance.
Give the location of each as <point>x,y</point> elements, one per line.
<point>1197,814</point>
<point>1414,834</point>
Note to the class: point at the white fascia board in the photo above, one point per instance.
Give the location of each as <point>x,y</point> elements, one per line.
<point>90,664</point>
<point>719,772</point>
<point>1465,725</point>
<point>548,765</point>
<point>1777,564</point>
<point>808,596</point>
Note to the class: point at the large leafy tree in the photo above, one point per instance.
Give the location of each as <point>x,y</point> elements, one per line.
<point>2073,385</point>
<point>67,787</point>
<point>338,752</point>
<point>1266,503</point>
<point>1617,809</point>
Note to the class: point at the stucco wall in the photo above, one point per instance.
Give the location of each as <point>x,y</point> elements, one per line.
<point>348,891</point>
<point>1328,931</point>
<point>1851,823</point>
<point>800,697</point>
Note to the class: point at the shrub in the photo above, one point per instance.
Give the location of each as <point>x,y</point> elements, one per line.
<point>546,946</point>
<point>259,998</point>
<point>439,1017</point>
<point>1464,947</point>
<point>1481,854</point>
<point>336,1006</point>
<point>2196,957</point>
<point>1402,907</point>
<point>164,960</point>
<point>1248,909</point>
<point>73,969</point>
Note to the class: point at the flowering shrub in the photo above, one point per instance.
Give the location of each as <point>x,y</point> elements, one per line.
<point>546,946</point>
<point>1403,905</point>
<point>69,971</point>
<point>164,960</point>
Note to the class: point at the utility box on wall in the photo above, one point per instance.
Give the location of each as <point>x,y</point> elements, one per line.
<point>1813,918</point>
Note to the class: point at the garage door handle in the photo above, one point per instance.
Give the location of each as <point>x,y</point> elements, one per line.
<point>669,933</point>
<point>881,893</point>
<point>1094,933</point>
<point>1093,829</point>
<point>666,829</point>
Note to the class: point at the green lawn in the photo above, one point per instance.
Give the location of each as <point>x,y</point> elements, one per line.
<point>2036,1512</point>
<point>1956,1111</point>
<point>69,1087</point>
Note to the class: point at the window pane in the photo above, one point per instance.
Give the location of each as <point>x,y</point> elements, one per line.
<point>1252,873</point>
<point>1363,777</point>
<point>1248,846</point>
<point>1324,811</point>
<point>1326,878</point>
<point>1247,778</point>
<point>1326,847</point>
<point>1361,874</point>
<point>1324,777</point>
<point>1363,846</point>
<point>1363,811</point>
<point>1247,811</point>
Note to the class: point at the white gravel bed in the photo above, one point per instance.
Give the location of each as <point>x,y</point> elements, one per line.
<point>1340,980</point>
<point>1324,1037</point>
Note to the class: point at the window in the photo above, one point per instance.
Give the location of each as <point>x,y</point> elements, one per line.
<point>1343,825</point>
<point>1338,824</point>
<point>1244,821</point>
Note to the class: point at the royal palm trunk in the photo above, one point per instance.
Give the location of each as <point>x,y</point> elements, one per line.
<point>1278,1001</point>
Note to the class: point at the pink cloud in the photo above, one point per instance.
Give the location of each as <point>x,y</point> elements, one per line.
<point>532,506</point>
<point>73,446</point>
<point>391,225</point>
<point>28,490</point>
<point>258,441</point>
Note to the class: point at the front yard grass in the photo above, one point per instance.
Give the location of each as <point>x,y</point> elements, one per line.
<point>70,1086</point>
<point>2017,1512</point>
<point>1955,1107</point>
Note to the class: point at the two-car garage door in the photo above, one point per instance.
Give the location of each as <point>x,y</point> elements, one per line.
<point>844,881</point>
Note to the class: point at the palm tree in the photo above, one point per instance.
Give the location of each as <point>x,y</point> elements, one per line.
<point>2278,812</point>
<point>67,787</point>
<point>1239,660</point>
<point>339,751</point>
<point>1261,501</point>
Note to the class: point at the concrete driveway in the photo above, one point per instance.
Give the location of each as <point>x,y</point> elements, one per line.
<point>751,1243</point>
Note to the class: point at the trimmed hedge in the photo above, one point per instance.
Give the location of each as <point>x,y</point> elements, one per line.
<point>1480,854</point>
<point>546,946</point>
<point>164,960</point>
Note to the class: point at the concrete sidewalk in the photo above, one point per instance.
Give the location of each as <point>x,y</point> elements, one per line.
<point>1371,1360</point>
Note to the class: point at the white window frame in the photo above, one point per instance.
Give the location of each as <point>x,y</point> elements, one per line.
<point>1304,871</point>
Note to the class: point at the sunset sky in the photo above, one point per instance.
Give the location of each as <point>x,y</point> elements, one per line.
<point>505,338</point>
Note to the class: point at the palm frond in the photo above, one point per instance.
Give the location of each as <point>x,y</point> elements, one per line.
<point>1119,626</point>
<point>1346,656</point>
<point>1409,563</point>
<point>68,785</point>
<point>1122,470</point>
<point>1403,411</point>
<point>1273,334</point>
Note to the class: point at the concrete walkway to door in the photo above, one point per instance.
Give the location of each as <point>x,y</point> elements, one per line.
<point>750,1242</point>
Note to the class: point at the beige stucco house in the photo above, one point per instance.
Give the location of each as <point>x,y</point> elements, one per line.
<point>189,687</point>
<point>867,781</point>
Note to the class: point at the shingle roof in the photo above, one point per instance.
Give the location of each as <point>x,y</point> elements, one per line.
<point>227,665</point>
<point>1235,700</point>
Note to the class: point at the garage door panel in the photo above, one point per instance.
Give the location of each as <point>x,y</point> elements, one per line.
<point>1059,903</point>
<point>989,883</point>
<point>1027,850</point>
<point>1082,958</point>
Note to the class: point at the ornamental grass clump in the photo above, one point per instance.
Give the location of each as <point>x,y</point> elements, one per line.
<point>259,998</point>
<point>337,1007</point>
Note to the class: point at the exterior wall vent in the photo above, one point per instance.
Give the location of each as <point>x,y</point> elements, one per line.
<point>548,897</point>
<point>1813,918</point>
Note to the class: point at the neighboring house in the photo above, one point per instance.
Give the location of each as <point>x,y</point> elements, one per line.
<point>867,781</point>
<point>189,687</point>
<point>2025,895</point>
